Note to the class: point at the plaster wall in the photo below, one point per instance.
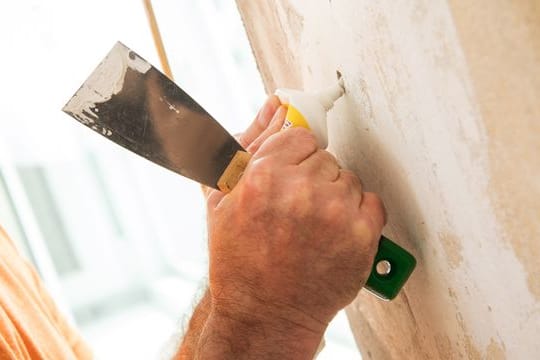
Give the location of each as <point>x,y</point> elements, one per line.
<point>442,119</point>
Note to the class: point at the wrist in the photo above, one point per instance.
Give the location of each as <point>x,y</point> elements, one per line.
<point>233,332</point>
<point>188,347</point>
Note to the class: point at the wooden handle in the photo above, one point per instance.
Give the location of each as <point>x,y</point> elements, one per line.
<point>233,172</point>
<point>158,41</point>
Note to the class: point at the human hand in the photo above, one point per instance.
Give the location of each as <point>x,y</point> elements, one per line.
<point>290,246</point>
<point>296,238</point>
<point>260,129</point>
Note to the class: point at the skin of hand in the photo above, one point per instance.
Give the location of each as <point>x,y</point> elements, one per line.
<point>251,139</point>
<point>290,246</point>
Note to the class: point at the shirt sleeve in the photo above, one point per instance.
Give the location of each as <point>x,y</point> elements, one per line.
<point>27,275</point>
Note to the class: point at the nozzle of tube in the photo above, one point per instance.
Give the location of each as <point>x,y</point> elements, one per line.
<point>309,109</point>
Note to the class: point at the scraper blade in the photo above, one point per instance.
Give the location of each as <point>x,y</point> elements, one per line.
<point>130,102</point>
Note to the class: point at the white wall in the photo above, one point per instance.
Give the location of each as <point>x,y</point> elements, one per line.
<point>442,119</point>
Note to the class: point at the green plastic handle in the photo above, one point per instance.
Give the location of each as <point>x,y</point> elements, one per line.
<point>392,267</point>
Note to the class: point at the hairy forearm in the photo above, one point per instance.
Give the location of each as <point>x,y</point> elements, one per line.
<point>195,327</point>
<point>217,333</point>
<point>257,335</point>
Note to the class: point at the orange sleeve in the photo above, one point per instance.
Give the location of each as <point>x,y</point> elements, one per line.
<point>31,325</point>
<point>73,338</point>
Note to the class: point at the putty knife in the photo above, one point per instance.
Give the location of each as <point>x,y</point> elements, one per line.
<point>130,102</point>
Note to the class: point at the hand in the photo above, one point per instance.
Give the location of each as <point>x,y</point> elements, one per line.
<point>294,241</point>
<point>262,126</point>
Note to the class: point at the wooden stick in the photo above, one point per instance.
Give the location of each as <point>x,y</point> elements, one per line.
<point>158,42</point>
<point>233,172</point>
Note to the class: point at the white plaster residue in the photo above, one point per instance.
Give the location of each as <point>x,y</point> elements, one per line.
<point>410,127</point>
<point>171,106</point>
<point>106,81</point>
<point>290,19</point>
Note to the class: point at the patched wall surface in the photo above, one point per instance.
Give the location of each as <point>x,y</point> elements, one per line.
<point>442,119</point>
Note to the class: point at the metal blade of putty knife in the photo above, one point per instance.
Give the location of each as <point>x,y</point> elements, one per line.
<point>133,104</point>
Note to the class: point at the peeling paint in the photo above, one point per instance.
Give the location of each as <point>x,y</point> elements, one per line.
<point>444,347</point>
<point>471,350</point>
<point>452,249</point>
<point>446,132</point>
<point>294,23</point>
<point>507,85</point>
<point>495,351</point>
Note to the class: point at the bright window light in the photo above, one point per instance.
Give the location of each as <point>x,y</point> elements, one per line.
<point>119,242</point>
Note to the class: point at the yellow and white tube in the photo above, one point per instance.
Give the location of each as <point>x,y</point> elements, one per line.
<point>309,109</point>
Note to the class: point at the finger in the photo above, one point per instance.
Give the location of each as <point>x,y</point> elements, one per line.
<point>259,124</point>
<point>372,208</point>
<point>274,126</point>
<point>352,186</point>
<point>261,121</point>
<point>291,146</point>
<point>213,198</point>
<point>323,164</point>
<point>206,190</point>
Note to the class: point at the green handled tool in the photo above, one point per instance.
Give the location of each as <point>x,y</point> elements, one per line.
<point>391,268</point>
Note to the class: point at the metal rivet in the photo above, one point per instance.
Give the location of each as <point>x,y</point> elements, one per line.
<point>383,267</point>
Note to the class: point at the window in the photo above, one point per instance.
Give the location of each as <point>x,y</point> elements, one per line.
<point>120,241</point>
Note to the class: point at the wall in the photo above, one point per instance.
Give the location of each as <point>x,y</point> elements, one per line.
<point>442,119</point>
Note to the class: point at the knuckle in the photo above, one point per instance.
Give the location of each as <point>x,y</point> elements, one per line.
<point>376,207</point>
<point>302,138</point>
<point>365,232</point>
<point>258,176</point>
<point>326,157</point>
<point>351,181</point>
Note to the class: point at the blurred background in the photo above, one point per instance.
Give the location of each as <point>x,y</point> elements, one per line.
<point>119,242</point>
